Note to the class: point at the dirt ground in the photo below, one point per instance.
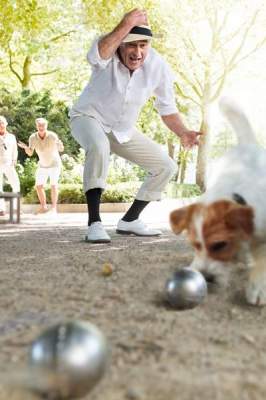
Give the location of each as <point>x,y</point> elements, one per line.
<point>217,351</point>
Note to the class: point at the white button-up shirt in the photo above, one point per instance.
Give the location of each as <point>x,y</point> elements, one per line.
<point>115,98</point>
<point>8,149</point>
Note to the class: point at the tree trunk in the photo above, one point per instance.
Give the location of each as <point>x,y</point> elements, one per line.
<point>26,73</point>
<point>171,148</point>
<point>202,153</point>
<point>179,164</point>
<point>183,171</point>
<point>171,153</point>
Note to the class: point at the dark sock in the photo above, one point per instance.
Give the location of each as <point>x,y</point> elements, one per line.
<point>134,211</point>
<point>93,197</point>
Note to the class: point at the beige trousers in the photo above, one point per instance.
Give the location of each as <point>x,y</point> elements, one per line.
<point>140,150</point>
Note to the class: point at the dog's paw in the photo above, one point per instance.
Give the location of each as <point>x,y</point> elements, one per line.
<point>215,274</point>
<point>256,292</point>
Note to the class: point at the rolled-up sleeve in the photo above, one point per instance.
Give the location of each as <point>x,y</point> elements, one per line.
<point>94,57</point>
<point>164,92</point>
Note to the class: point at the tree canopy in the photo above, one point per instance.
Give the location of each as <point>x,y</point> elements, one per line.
<point>43,46</point>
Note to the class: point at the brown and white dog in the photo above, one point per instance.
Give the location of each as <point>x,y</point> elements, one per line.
<point>230,216</point>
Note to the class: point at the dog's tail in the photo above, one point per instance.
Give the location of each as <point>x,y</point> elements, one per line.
<point>238,120</point>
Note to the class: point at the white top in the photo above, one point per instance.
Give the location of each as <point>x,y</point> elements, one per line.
<point>115,98</point>
<point>47,149</point>
<point>8,149</point>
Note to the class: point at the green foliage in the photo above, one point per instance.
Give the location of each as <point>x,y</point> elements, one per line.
<point>24,16</point>
<point>177,190</point>
<point>104,15</point>
<point>74,194</point>
<point>68,193</point>
<point>28,25</point>
<point>22,109</point>
<point>26,173</point>
<point>121,192</point>
<point>121,170</point>
<point>151,124</point>
<point>72,169</point>
<point>36,43</point>
<point>71,194</point>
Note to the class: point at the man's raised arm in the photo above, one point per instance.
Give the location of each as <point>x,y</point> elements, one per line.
<point>110,43</point>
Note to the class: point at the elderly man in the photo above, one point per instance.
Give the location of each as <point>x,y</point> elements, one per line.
<point>8,160</point>
<point>47,146</point>
<point>126,72</point>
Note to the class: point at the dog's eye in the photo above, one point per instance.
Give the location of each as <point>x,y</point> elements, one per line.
<point>218,246</point>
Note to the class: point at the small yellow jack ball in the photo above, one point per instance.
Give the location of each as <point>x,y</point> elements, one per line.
<point>107,269</point>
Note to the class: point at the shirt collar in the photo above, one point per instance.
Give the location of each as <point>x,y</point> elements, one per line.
<point>42,138</point>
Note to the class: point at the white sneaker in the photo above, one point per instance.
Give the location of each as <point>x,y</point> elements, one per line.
<point>136,227</point>
<point>97,234</point>
<point>52,211</point>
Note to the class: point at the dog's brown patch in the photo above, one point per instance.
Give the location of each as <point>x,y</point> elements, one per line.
<point>181,218</point>
<point>224,225</point>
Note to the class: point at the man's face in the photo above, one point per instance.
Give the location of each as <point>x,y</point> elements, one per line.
<point>2,127</point>
<point>133,54</point>
<point>41,127</point>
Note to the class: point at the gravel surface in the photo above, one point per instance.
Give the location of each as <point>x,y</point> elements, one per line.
<point>48,274</point>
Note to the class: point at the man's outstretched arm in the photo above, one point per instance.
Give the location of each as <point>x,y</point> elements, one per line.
<point>29,151</point>
<point>187,137</point>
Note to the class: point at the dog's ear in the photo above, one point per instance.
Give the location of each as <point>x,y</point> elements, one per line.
<point>241,218</point>
<point>181,218</point>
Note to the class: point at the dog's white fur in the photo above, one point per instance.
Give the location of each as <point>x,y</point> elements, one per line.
<point>241,170</point>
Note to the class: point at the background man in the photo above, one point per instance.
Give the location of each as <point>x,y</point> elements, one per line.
<point>47,146</point>
<point>126,71</point>
<point>8,160</point>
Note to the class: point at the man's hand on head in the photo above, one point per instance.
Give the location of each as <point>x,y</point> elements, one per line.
<point>135,17</point>
<point>109,43</point>
<point>189,138</point>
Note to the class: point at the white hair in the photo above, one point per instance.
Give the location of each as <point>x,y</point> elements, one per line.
<point>3,119</point>
<point>41,121</point>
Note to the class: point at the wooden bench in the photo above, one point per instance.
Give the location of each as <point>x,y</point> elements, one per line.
<point>10,196</point>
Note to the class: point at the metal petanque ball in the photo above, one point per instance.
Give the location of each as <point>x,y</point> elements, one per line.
<point>70,357</point>
<point>186,289</point>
